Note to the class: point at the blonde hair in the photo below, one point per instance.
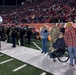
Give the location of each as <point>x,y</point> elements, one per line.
<point>69,24</point>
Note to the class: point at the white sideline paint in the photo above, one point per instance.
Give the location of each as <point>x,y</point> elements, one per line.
<point>19,68</point>
<point>36,45</point>
<point>19,42</point>
<point>6,61</point>
<point>1,54</point>
<point>44,73</point>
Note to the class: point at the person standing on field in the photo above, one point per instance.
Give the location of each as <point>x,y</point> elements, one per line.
<point>44,35</point>
<point>70,40</point>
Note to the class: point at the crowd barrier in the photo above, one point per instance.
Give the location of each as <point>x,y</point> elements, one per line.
<point>38,25</point>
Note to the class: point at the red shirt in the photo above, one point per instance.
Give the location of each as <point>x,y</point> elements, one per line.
<point>70,37</point>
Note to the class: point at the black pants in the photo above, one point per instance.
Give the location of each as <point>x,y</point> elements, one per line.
<point>29,39</point>
<point>57,53</point>
<point>14,41</point>
<point>22,41</point>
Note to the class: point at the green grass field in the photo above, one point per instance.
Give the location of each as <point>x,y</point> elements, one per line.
<point>38,42</point>
<point>31,45</point>
<point>7,68</point>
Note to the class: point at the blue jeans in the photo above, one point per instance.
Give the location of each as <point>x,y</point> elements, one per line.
<point>44,45</point>
<point>72,53</point>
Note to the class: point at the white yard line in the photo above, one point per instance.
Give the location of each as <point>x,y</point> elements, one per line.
<point>36,45</point>
<point>6,61</point>
<point>44,73</point>
<point>1,54</point>
<point>19,68</point>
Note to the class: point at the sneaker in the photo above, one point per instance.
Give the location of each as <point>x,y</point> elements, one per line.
<point>71,66</point>
<point>54,60</point>
<point>45,52</point>
<point>42,52</point>
<point>13,46</point>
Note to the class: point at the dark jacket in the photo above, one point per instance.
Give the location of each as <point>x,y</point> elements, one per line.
<point>59,44</point>
<point>14,33</point>
<point>29,33</point>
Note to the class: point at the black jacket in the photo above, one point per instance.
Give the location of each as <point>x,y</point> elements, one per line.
<point>59,44</point>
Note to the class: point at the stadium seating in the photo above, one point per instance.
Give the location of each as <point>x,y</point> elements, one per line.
<point>47,11</point>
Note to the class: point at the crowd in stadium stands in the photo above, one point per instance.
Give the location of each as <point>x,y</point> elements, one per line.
<point>40,11</point>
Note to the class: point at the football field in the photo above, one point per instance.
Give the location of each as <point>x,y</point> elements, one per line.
<point>30,61</point>
<point>9,68</point>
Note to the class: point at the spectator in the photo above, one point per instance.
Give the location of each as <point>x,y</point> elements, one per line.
<point>14,35</point>
<point>44,35</point>
<point>56,11</point>
<point>70,40</point>
<point>58,46</point>
<point>54,34</point>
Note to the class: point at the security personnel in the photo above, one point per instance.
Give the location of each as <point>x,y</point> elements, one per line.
<point>14,35</point>
<point>22,34</point>
<point>29,33</point>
